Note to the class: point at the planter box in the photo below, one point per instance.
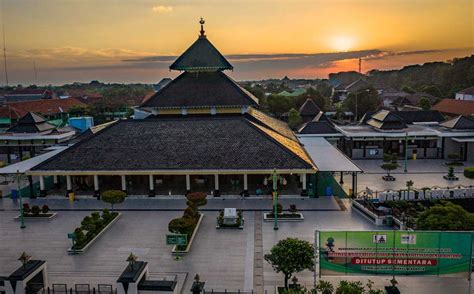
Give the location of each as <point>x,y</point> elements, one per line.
<point>267,217</point>
<point>176,252</point>
<point>84,249</point>
<point>46,216</point>
<point>451,178</point>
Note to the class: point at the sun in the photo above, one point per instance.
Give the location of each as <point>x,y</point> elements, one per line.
<point>342,43</point>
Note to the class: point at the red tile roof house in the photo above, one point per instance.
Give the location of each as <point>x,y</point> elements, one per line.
<point>452,107</point>
<point>46,107</point>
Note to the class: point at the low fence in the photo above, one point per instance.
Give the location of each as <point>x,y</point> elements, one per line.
<point>77,289</point>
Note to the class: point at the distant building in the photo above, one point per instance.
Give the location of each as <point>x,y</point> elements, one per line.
<point>31,134</point>
<point>423,134</point>
<point>466,94</point>
<point>454,107</point>
<point>54,110</point>
<point>83,96</point>
<point>28,94</point>
<point>342,91</point>
<point>295,93</point>
<point>309,110</point>
<point>413,99</point>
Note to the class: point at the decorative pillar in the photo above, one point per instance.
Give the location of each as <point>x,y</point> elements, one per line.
<point>124,183</point>
<point>56,181</point>
<point>303,185</point>
<point>341,181</point>
<point>216,185</point>
<point>246,186</point>
<point>188,184</point>
<point>96,187</point>
<point>42,189</point>
<point>152,186</point>
<point>68,185</point>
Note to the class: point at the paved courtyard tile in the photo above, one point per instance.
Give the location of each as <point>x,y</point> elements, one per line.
<point>217,255</point>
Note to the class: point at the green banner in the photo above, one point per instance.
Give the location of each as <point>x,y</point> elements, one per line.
<point>176,239</point>
<point>395,253</point>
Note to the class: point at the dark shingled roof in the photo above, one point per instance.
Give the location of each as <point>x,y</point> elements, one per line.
<point>459,123</point>
<point>202,55</point>
<point>275,124</point>
<point>185,143</point>
<point>386,120</point>
<point>407,117</point>
<point>318,127</point>
<point>201,89</point>
<point>31,123</point>
<point>309,108</point>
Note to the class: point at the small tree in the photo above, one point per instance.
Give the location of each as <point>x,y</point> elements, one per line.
<point>325,287</point>
<point>389,167</point>
<point>291,256</point>
<point>469,172</point>
<point>294,118</point>
<point>410,185</point>
<point>113,197</point>
<point>425,103</point>
<point>445,217</point>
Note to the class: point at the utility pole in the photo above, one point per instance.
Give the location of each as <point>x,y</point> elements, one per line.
<point>36,73</point>
<point>360,65</point>
<point>4,45</point>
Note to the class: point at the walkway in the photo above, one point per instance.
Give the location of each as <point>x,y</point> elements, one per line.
<point>177,204</point>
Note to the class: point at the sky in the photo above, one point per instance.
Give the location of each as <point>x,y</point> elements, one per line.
<point>136,41</point>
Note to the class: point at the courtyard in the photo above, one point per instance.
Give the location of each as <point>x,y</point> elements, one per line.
<point>225,259</point>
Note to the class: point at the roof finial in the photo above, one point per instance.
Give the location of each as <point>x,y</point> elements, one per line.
<point>202,22</point>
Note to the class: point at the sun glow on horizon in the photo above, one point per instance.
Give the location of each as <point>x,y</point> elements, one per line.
<point>342,43</point>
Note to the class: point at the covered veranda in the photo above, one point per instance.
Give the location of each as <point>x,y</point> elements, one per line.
<point>329,159</point>
<point>167,183</point>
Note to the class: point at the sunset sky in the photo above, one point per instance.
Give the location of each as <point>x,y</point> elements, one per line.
<point>136,41</point>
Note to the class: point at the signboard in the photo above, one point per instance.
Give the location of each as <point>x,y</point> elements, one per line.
<point>71,236</point>
<point>176,239</point>
<point>395,253</point>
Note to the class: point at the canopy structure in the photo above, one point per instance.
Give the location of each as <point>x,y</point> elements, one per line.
<point>26,165</point>
<point>326,157</point>
<point>463,139</point>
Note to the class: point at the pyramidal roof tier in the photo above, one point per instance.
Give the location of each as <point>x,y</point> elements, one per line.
<point>201,56</point>
<point>31,123</point>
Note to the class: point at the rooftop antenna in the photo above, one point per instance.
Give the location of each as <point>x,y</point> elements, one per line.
<point>360,65</point>
<point>4,46</point>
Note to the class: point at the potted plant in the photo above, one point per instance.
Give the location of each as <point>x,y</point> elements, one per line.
<point>450,176</point>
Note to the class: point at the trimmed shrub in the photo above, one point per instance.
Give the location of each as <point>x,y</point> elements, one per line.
<point>292,208</point>
<point>182,226</point>
<point>113,197</point>
<point>189,212</point>
<point>35,210</point>
<point>45,209</point>
<point>106,215</point>
<point>469,172</point>
<point>26,208</point>
<point>198,198</point>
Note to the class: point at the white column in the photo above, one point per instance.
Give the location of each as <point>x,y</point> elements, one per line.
<point>304,181</point>
<point>55,179</point>
<point>68,183</point>
<point>188,183</point>
<point>245,182</point>
<point>124,183</point>
<point>216,182</point>
<point>96,183</point>
<point>41,179</point>
<point>151,182</point>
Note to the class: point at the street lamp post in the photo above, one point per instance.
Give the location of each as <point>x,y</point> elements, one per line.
<point>22,217</point>
<point>406,152</point>
<point>274,178</point>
